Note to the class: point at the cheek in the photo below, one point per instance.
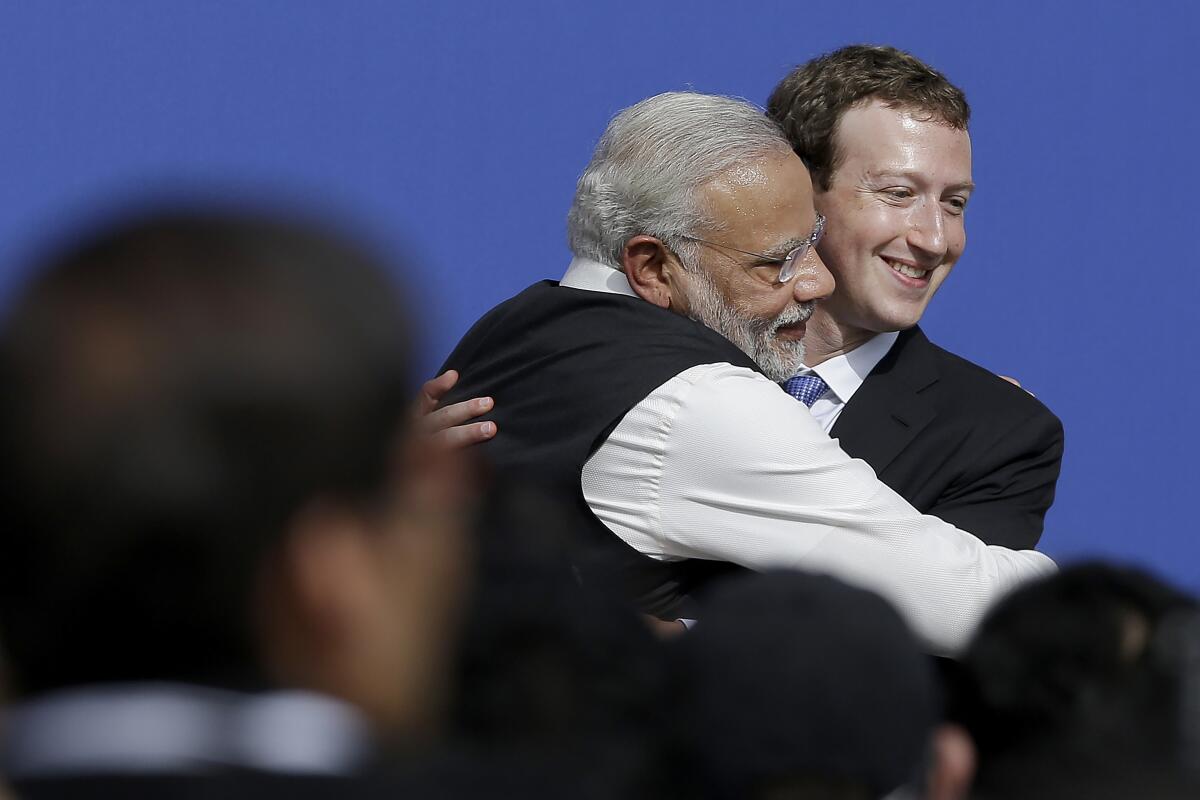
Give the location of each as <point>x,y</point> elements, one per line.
<point>753,307</point>
<point>874,230</point>
<point>839,247</point>
<point>959,243</point>
<point>849,253</point>
<point>956,242</point>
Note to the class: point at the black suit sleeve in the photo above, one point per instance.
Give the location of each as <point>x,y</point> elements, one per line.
<point>1004,496</point>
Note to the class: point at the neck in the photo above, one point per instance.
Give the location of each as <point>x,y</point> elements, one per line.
<point>827,338</point>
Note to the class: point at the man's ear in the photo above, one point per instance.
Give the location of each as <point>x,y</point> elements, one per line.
<point>311,593</point>
<point>645,261</point>
<point>327,568</point>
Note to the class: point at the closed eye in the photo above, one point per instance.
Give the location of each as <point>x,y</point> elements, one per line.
<point>771,262</point>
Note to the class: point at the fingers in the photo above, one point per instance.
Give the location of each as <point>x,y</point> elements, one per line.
<point>664,629</point>
<point>451,426</point>
<point>1017,383</point>
<point>465,435</point>
<point>432,391</point>
<point>457,414</point>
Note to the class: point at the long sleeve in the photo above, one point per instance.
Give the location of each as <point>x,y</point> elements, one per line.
<point>718,463</point>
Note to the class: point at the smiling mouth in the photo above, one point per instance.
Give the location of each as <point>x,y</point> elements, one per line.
<point>907,270</point>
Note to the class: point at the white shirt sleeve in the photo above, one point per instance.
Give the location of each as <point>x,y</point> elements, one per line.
<point>719,463</point>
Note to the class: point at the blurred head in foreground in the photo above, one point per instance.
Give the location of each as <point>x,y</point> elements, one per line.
<point>205,474</point>
<point>796,685</point>
<point>1086,684</point>
<point>558,681</point>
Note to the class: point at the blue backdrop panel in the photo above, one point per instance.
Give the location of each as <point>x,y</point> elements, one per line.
<point>458,130</point>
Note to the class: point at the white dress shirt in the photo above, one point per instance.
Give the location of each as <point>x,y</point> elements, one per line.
<point>144,728</point>
<point>844,375</point>
<point>719,463</point>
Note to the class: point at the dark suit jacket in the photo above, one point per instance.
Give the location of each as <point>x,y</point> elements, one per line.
<point>956,441</point>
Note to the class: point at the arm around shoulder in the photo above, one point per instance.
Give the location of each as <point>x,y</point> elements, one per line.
<point>748,477</point>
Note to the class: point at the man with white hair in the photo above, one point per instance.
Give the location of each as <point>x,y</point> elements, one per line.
<point>644,384</point>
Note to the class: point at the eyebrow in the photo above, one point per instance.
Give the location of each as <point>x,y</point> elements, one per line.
<point>779,252</point>
<point>915,177</point>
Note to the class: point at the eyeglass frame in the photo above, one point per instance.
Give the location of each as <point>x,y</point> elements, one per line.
<point>793,256</point>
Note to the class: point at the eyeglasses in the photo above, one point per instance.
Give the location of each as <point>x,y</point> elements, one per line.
<point>789,265</point>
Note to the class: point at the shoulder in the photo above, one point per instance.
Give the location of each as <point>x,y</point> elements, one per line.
<point>970,389</point>
<point>581,318</point>
<point>732,414</point>
<point>514,307</point>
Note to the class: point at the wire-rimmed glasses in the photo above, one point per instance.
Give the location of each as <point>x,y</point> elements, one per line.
<point>789,265</point>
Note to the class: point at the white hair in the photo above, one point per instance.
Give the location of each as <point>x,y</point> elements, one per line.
<point>646,172</point>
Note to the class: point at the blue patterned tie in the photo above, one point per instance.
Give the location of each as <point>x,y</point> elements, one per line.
<point>806,388</point>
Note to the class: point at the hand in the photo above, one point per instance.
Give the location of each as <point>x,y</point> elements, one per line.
<point>449,426</point>
<point>663,628</point>
<point>1017,384</point>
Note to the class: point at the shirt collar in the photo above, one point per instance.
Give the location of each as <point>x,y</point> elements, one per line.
<point>845,373</point>
<point>157,728</point>
<point>592,276</point>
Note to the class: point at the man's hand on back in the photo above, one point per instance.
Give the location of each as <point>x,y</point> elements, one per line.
<point>451,425</point>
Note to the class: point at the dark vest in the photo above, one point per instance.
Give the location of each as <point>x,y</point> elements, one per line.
<point>564,366</point>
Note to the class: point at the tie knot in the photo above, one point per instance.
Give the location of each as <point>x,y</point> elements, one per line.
<point>806,388</point>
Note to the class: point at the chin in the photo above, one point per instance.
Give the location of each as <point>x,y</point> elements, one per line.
<point>897,325</point>
<point>780,363</point>
<point>894,319</point>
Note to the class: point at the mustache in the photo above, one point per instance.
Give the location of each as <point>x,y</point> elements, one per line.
<point>793,316</point>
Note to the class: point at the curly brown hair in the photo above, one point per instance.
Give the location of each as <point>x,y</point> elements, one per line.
<point>810,101</point>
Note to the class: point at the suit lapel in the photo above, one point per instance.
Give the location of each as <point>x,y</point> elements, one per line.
<point>888,410</point>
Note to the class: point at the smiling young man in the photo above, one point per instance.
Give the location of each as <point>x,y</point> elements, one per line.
<point>643,385</point>
<point>885,138</point>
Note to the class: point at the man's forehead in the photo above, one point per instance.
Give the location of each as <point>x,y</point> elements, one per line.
<point>877,116</point>
<point>747,174</point>
<point>902,108</point>
<point>771,178</point>
<point>757,171</point>
<point>895,139</point>
<point>769,203</point>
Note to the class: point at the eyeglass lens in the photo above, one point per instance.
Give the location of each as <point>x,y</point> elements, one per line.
<point>791,264</point>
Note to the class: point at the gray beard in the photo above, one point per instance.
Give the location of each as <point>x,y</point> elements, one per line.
<point>778,359</point>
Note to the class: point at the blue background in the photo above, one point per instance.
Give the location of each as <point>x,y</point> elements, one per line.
<point>457,131</point>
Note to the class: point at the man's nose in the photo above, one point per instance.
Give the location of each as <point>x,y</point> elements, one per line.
<point>814,281</point>
<point>927,230</point>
